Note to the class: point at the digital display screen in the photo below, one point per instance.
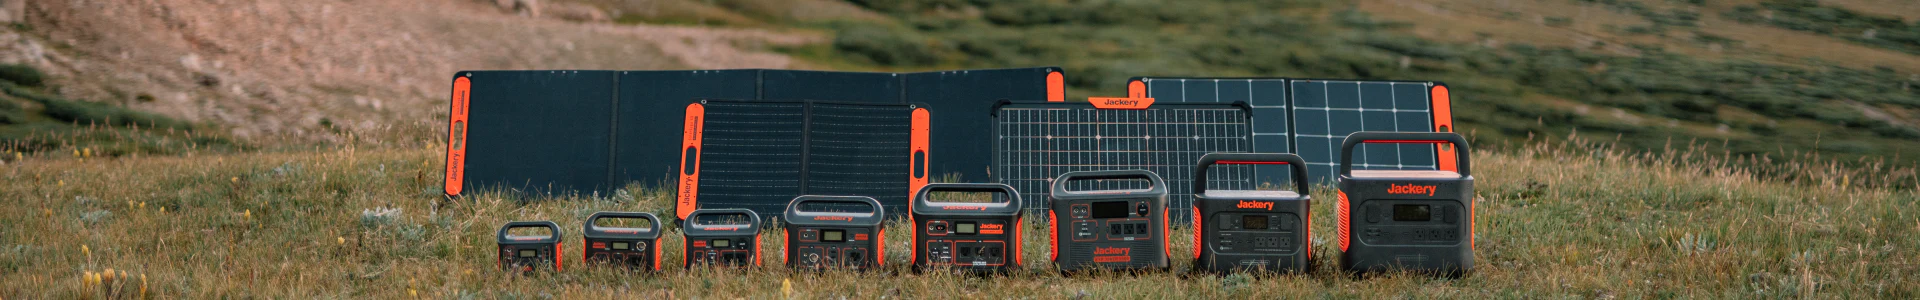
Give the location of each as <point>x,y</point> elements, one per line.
<point>722,243</point>
<point>621,246</point>
<point>1109,209</point>
<point>1253,222</point>
<point>527,253</point>
<point>831,235</point>
<point>966,228</point>
<point>1412,212</point>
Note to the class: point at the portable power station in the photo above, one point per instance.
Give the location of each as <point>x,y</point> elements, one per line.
<point>722,237</point>
<point>967,236</point>
<point>635,247</point>
<point>526,253</point>
<point>1252,230</point>
<point>1108,229</point>
<point>819,237</point>
<point>1416,220</point>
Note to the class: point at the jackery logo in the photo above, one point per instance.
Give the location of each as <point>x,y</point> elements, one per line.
<point>1122,102</point>
<point>1112,251</point>
<point>833,218</point>
<point>966,207</point>
<point>1255,204</point>
<point>1410,189</point>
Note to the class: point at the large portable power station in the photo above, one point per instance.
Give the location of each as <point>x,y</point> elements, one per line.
<point>967,236</point>
<point>722,237</point>
<point>634,247</point>
<point>1415,220</point>
<point>526,253</point>
<point>1252,230</point>
<point>1116,229</point>
<point>834,232</point>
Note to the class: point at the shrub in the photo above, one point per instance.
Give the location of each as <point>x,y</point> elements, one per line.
<point>22,75</point>
<point>886,45</point>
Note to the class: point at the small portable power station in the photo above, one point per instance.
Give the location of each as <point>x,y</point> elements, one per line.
<point>635,247</point>
<point>967,236</point>
<point>722,237</point>
<point>1119,229</point>
<point>1252,230</point>
<point>1415,220</point>
<point>819,238</point>
<point>527,253</point>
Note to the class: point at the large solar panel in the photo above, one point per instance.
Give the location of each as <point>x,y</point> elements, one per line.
<point>758,155</point>
<point>590,132</point>
<point>1312,118</point>
<point>1266,96</point>
<point>1034,142</point>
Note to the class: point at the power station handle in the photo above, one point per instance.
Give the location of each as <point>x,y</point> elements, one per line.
<point>1293,161</point>
<point>1060,183</point>
<point>1381,137</point>
<point>653,223</point>
<point>863,200</point>
<point>553,230</point>
<point>753,219</point>
<point>996,188</point>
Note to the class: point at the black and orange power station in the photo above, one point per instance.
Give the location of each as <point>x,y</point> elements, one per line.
<point>722,237</point>
<point>1113,229</point>
<point>634,247</point>
<point>975,237</point>
<point>834,232</point>
<point>1252,230</point>
<point>1415,220</point>
<point>526,253</point>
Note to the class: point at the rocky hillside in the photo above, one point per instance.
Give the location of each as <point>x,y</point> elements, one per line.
<point>327,70</point>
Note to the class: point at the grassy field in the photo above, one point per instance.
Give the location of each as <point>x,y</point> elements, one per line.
<point>1558,219</point>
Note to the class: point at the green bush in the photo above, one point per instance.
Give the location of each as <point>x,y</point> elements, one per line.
<point>92,113</point>
<point>22,75</point>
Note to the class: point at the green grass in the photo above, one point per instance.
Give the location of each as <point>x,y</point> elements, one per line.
<point>1555,219</point>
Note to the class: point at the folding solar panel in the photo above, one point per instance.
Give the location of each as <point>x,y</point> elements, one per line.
<point>1312,117</point>
<point>759,155</point>
<point>1037,141</point>
<point>564,131</point>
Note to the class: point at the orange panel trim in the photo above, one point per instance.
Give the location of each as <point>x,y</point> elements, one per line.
<point>457,136</point>
<point>1443,122</point>
<point>689,191</point>
<point>1019,259</point>
<point>1056,87</point>
<point>922,128</point>
<point>1120,102</point>
<point>880,247</point>
<point>1136,89</point>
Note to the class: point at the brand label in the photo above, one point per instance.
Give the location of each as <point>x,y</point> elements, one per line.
<point>833,218</point>
<point>1120,103</point>
<point>966,207</point>
<point>1255,204</point>
<point>1112,251</point>
<point>993,229</point>
<point>1410,189</point>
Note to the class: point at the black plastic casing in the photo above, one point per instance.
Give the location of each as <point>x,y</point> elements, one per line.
<point>993,246</point>
<point>1136,241</point>
<point>642,244</point>
<point>743,239</point>
<point>1252,230</point>
<point>1419,221</point>
<point>543,251</point>
<point>862,240</point>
